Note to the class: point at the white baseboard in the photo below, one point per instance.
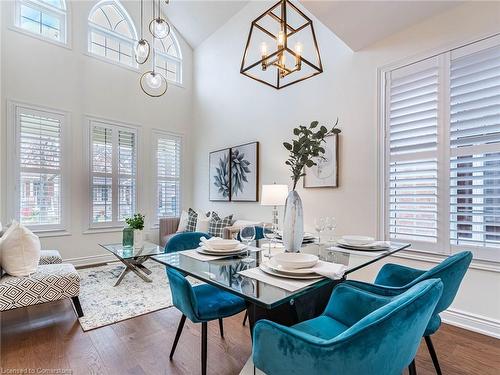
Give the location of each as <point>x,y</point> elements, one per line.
<point>472,322</point>
<point>90,260</point>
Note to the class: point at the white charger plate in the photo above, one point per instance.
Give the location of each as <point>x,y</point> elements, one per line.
<point>374,246</point>
<point>219,253</point>
<point>294,272</point>
<point>269,271</point>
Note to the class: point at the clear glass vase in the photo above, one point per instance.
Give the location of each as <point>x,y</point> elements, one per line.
<point>293,226</point>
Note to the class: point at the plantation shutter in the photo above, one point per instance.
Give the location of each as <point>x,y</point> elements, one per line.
<point>475,148</point>
<point>126,170</point>
<point>40,158</point>
<point>412,110</point>
<point>168,158</point>
<point>113,180</point>
<point>102,174</point>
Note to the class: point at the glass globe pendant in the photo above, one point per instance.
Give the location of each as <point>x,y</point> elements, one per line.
<point>141,51</point>
<point>159,28</point>
<point>153,80</point>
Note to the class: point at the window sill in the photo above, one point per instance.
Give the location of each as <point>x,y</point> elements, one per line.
<point>112,62</point>
<point>22,31</point>
<point>98,230</point>
<point>51,233</point>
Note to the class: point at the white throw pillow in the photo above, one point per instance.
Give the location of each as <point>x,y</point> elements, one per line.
<point>19,250</point>
<point>183,222</point>
<point>203,222</point>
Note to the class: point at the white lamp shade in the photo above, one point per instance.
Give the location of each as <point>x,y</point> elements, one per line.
<point>274,195</point>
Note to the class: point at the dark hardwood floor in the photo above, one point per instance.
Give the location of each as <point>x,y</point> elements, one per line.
<point>49,337</point>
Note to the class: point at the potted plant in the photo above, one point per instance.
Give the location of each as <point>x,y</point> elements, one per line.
<point>136,222</point>
<point>304,151</point>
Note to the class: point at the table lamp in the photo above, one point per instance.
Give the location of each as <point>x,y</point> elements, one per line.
<point>274,195</point>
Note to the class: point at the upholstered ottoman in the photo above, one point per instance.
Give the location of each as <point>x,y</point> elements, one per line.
<point>50,282</point>
<point>50,257</point>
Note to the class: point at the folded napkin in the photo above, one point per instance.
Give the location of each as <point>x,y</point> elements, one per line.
<point>333,271</point>
<point>206,243</point>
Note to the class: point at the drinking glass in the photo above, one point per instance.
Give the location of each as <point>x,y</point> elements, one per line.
<point>331,224</point>
<point>319,226</point>
<point>247,235</point>
<point>269,232</point>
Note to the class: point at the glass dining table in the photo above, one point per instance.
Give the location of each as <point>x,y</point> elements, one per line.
<point>266,300</point>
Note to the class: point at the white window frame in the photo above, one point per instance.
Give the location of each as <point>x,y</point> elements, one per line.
<point>14,169</point>
<point>443,246</point>
<point>155,135</point>
<point>92,27</point>
<point>61,13</point>
<point>173,59</point>
<point>115,125</point>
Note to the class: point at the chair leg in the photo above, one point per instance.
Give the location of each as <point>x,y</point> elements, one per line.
<point>412,369</point>
<point>245,318</point>
<point>204,348</point>
<point>177,335</point>
<point>78,307</point>
<point>433,354</point>
<point>221,328</point>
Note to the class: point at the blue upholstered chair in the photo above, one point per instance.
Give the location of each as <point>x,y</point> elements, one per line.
<point>394,279</point>
<point>359,333</point>
<point>201,303</point>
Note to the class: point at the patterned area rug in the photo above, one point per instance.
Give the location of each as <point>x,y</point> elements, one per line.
<point>105,304</point>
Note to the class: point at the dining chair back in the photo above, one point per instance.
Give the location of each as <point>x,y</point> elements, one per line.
<point>185,241</point>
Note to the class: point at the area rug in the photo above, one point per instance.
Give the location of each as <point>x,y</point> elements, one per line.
<point>105,304</point>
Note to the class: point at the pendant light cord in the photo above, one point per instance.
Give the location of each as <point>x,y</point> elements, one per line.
<point>142,6</point>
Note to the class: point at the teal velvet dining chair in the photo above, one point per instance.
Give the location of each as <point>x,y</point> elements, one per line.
<point>394,279</point>
<point>199,303</point>
<point>359,333</point>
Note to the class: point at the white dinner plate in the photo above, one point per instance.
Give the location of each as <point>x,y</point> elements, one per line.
<point>280,269</point>
<point>220,244</point>
<point>374,246</point>
<point>355,240</point>
<point>240,247</point>
<point>295,260</point>
<point>269,271</point>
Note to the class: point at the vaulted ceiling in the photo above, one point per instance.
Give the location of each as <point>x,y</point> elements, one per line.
<point>358,23</point>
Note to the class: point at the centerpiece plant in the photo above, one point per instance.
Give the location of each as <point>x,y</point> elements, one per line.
<point>304,151</point>
<point>136,223</point>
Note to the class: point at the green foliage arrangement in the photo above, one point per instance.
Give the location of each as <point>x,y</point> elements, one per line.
<point>136,221</point>
<point>306,148</point>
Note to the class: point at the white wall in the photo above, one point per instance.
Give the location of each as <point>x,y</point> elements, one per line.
<point>231,109</point>
<point>44,74</point>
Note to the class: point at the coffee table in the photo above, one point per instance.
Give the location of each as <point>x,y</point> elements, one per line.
<point>133,258</point>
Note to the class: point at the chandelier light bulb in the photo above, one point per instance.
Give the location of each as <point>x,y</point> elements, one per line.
<point>141,49</point>
<point>153,80</point>
<point>281,39</point>
<point>160,28</point>
<point>263,49</point>
<point>298,49</point>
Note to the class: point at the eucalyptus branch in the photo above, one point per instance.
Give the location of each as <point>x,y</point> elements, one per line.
<point>306,148</point>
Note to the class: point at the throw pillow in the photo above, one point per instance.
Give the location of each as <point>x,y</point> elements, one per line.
<point>217,225</point>
<point>19,250</point>
<point>183,222</point>
<point>193,218</point>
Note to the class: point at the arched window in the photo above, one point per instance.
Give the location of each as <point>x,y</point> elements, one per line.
<point>168,59</point>
<point>112,32</point>
<point>45,18</point>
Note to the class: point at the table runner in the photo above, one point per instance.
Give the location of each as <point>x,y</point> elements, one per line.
<point>290,285</point>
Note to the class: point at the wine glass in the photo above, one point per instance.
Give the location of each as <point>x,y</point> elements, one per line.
<point>269,232</point>
<point>247,235</point>
<point>331,224</point>
<point>319,226</point>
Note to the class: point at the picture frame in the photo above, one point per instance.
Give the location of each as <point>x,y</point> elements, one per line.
<point>219,172</point>
<point>326,173</point>
<point>245,172</point>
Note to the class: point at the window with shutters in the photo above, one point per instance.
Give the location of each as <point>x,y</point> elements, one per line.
<point>43,18</point>
<point>442,152</point>
<point>112,33</point>
<point>113,165</point>
<point>168,174</point>
<point>38,188</point>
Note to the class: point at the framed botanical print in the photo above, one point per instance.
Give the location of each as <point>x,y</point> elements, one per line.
<point>219,175</point>
<point>245,173</point>
<point>325,172</point>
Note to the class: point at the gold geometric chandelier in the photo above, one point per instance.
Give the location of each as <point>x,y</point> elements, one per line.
<point>269,57</point>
